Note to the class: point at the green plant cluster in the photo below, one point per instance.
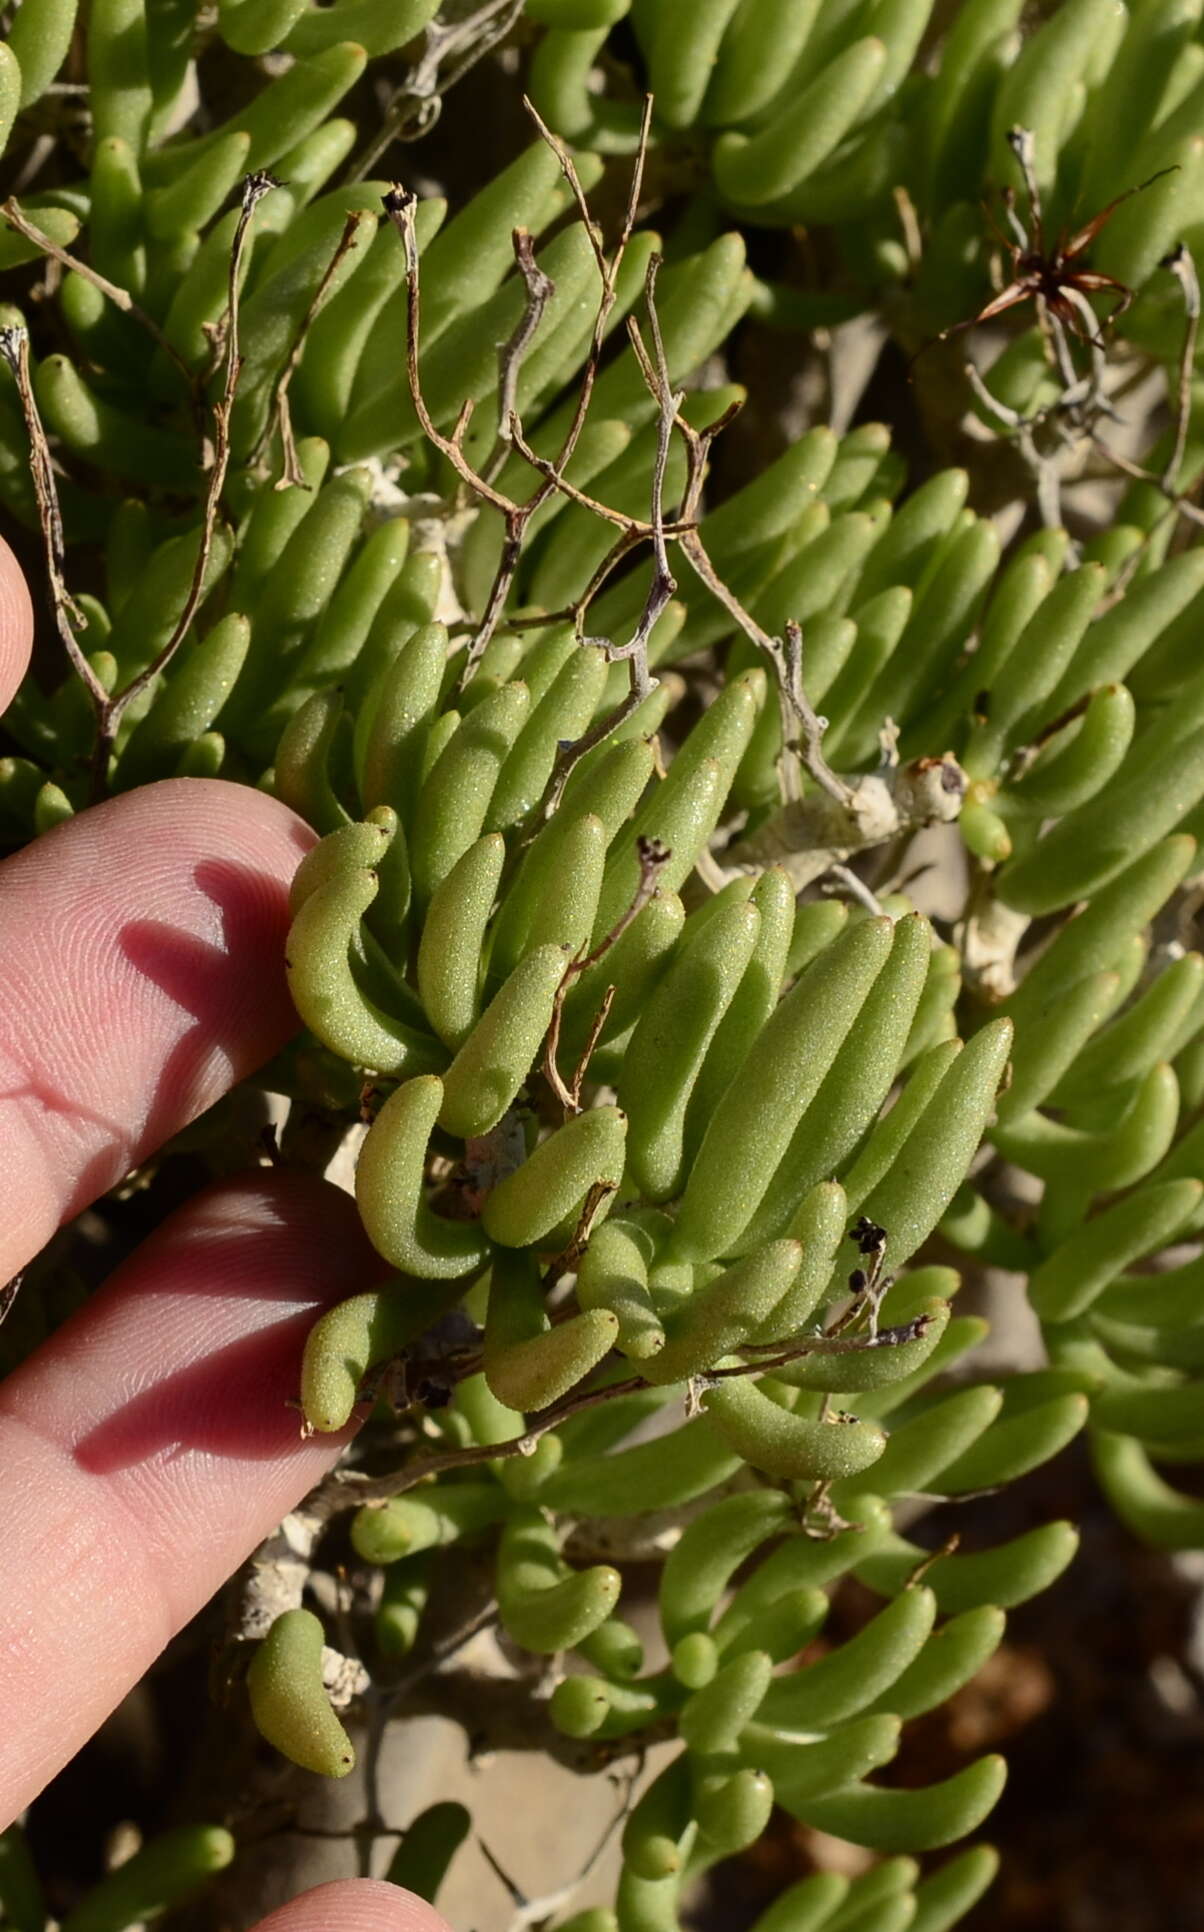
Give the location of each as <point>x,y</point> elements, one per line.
<point>821,112</point>
<point>659,1129</point>
<point>158,1875</point>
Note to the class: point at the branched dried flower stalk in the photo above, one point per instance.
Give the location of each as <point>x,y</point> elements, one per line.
<point>516,516</point>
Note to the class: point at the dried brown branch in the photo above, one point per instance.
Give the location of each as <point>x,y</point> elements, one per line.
<point>1176,504</point>
<point>801,711</point>
<point>552,474</point>
<point>400,205</point>
<point>868,1285</point>
<point>664,584</point>
<point>653,857</point>
<point>801,724</point>
<point>14,347</point>
<point>516,516</point>
<point>607,270</point>
<point>574,613</point>
<point>280,415</point>
<point>15,217</point>
<point>1183,268</point>
<point>349,1489</point>
<point>540,290</point>
<point>773,1355</point>
<point>1043,466</point>
<point>669,402</point>
<point>588,1050</point>
<point>254,188</point>
<point>417,104</point>
<point>803,729</point>
<point>634,528</point>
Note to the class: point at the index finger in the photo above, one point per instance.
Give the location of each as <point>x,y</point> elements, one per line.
<point>354,1905</point>
<point>16,624</point>
<point>141,975</point>
<point>149,1447</point>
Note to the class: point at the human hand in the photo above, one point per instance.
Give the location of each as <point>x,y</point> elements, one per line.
<point>147,1447</point>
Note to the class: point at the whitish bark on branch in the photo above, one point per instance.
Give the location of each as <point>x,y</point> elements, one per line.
<point>809,835</point>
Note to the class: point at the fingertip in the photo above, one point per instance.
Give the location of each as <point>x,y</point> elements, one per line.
<point>143,945</point>
<point>355,1905</point>
<point>16,624</point>
<point>237,811</point>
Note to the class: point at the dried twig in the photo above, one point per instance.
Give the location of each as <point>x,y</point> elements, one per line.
<point>803,728</point>
<point>653,857</point>
<point>802,713</point>
<point>774,1355</point>
<point>1183,268</point>
<point>800,719</point>
<point>400,206</point>
<point>948,1548</point>
<point>1043,467</point>
<point>669,402</point>
<point>280,415</point>
<point>417,103</point>
<point>516,516</point>
<point>531,1913</point>
<point>540,290</point>
<point>553,475</point>
<point>574,613</point>
<point>663,585</point>
<point>254,188</point>
<point>14,347</point>
<point>608,270</point>
<point>634,528</point>
<point>121,298</point>
<point>349,1489</point>
<point>856,887</point>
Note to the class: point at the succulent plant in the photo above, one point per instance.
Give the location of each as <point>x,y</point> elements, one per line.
<point>671,1106</point>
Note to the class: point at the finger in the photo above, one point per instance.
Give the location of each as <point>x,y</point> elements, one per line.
<point>16,624</point>
<point>141,975</point>
<point>354,1905</point>
<point>148,1448</point>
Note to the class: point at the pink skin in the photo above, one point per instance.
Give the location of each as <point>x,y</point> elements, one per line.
<point>147,1448</point>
